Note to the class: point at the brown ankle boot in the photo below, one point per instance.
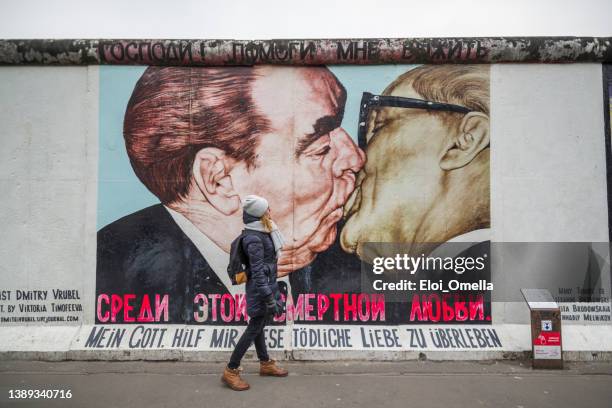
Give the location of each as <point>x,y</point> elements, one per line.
<point>270,368</point>
<point>231,377</point>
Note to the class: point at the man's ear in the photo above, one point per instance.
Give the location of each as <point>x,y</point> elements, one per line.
<point>211,174</point>
<point>472,137</point>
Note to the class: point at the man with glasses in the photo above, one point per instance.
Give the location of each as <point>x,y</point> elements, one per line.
<point>426,179</point>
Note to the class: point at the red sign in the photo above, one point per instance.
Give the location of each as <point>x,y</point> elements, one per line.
<point>548,339</point>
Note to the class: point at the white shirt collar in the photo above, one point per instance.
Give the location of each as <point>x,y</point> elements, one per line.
<point>479,235</point>
<point>461,243</point>
<point>216,257</point>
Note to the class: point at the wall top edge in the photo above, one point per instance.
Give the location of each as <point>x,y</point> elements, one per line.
<point>351,51</point>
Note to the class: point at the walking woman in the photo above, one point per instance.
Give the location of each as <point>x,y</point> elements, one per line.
<point>262,243</point>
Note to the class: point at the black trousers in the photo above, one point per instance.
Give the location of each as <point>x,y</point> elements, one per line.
<point>254,333</point>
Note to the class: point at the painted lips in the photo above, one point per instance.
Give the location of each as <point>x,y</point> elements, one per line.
<point>353,203</point>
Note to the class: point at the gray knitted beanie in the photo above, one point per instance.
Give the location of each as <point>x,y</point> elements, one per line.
<point>255,205</point>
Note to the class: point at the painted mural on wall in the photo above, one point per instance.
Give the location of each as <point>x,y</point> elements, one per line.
<point>357,171</point>
<point>378,176</point>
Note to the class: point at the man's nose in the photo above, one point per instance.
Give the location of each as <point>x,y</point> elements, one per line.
<point>348,155</point>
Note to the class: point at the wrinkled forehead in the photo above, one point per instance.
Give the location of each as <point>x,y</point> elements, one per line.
<point>285,93</point>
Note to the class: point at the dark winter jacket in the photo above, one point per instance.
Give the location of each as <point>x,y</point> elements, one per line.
<point>261,269</point>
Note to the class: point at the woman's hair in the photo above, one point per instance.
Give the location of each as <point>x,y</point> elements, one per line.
<point>266,220</point>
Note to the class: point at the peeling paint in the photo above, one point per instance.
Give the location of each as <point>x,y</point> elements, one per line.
<point>306,52</point>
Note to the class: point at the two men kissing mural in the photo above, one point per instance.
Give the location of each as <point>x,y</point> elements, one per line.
<point>200,139</point>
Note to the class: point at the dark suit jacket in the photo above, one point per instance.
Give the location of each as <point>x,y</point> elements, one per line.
<point>147,253</point>
<point>335,271</point>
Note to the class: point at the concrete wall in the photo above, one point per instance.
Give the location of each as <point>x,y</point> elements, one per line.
<point>548,184</point>
<point>548,178</point>
<point>49,167</point>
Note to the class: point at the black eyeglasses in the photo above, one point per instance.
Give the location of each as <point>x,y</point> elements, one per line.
<point>369,101</point>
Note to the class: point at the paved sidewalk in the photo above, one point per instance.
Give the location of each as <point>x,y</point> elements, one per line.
<point>311,384</point>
